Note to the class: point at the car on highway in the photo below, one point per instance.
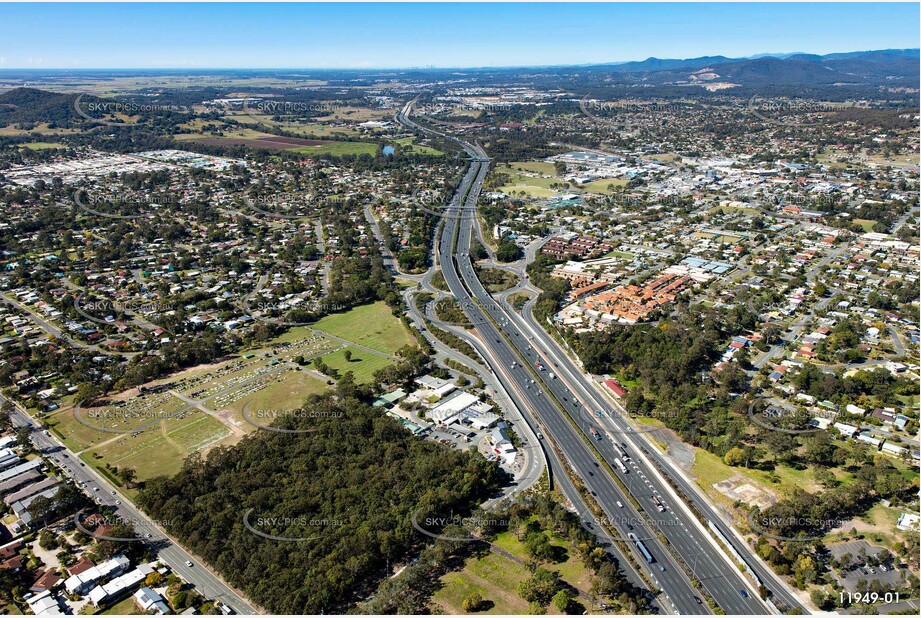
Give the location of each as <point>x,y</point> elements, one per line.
<point>188,563</point>
<point>662,567</point>
<point>619,504</point>
<point>743,593</point>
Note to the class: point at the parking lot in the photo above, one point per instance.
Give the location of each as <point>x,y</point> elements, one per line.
<point>454,437</point>
<point>867,568</point>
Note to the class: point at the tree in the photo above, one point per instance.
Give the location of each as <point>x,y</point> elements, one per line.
<point>539,547</point>
<point>508,251</point>
<point>348,436</point>
<point>128,475</point>
<point>805,571</point>
<point>5,409</point>
<point>541,586</point>
<point>536,609</point>
<point>771,333</point>
<point>347,355</point>
<point>47,540</point>
<point>41,509</point>
<point>24,437</point>
<point>817,595</point>
<point>734,457</point>
<point>561,600</point>
<point>473,602</point>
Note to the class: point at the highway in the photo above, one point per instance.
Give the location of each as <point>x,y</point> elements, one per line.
<point>512,344</point>
<point>168,551</point>
<point>615,422</point>
<point>458,271</point>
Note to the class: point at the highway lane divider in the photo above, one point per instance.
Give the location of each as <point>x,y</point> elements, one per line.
<point>626,493</point>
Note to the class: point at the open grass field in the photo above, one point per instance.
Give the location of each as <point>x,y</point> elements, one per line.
<point>408,145</point>
<point>223,389</point>
<point>258,139</point>
<point>602,186</point>
<point>141,411</point>
<point>535,177</point>
<point>782,481</point>
<point>710,469</point>
<point>230,134</point>
<point>302,128</point>
<point>733,209</point>
<point>666,157</point>
<point>909,400</point>
<point>878,526</point>
<point>841,158</point>
<point>721,238</point>
<point>373,326</point>
<point>866,224</point>
<point>536,167</point>
<point>496,577</point>
<point>299,338</point>
<point>287,394</point>
<point>173,427</point>
<point>356,114</point>
<point>43,145</point>
<point>160,449</point>
<point>40,128</point>
<point>363,363</point>
<point>338,149</point>
<point>530,177</point>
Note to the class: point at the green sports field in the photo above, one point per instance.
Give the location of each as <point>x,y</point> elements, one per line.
<point>373,326</point>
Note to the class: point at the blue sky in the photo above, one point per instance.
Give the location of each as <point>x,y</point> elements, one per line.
<point>443,35</point>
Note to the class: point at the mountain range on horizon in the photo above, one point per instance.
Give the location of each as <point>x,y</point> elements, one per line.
<point>650,64</point>
<point>887,70</point>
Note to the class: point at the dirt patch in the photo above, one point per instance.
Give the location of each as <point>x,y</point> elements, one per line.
<point>738,488</point>
<point>675,448</point>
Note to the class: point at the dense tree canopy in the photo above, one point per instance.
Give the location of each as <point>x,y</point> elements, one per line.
<point>351,486</point>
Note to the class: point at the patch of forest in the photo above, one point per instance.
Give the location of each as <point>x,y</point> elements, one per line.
<point>344,493</point>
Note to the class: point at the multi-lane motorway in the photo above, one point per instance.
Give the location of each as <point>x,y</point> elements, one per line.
<point>566,407</point>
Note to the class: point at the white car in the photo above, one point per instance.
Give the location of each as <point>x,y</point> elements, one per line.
<point>188,563</point>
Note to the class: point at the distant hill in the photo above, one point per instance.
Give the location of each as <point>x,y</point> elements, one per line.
<point>658,64</point>
<point>30,105</point>
<point>892,67</point>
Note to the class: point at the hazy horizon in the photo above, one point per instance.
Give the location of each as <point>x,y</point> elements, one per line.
<point>386,36</point>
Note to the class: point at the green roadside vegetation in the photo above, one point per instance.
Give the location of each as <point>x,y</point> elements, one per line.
<point>496,279</point>
<point>529,557</point>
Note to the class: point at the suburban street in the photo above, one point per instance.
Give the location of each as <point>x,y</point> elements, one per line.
<point>205,581</point>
